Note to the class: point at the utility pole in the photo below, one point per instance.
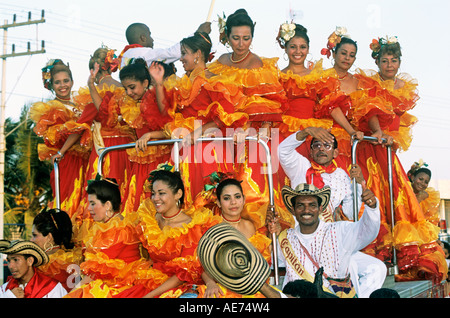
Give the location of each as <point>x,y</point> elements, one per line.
<point>4,56</point>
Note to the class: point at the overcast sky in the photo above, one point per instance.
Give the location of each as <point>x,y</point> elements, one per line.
<point>74,29</point>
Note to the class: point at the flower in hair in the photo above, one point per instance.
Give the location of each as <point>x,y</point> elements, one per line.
<point>286,32</point>
<point>161,167</point>
<point>111,61</point>
<point>376,45</point>
<point>222,29</point>
<point>334,39</point>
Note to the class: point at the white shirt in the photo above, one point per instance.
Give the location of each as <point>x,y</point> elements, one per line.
<point>169,55</point>
<point>295,166</point>
<point>57,292</point>
<point>331,245</point>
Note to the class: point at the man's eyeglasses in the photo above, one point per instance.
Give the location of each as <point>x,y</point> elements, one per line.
<point>319,145</point>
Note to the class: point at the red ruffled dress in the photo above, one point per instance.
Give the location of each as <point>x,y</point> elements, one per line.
<point>143,116</point>
<point>194,101</point>
<point>54,122</point>
<point>112,259</point>
<point>172,250</point>
<point>263,100</point>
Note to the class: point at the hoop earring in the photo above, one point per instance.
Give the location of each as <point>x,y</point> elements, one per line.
<point>332,62</point>
<point>46,249</point>
<point>310,57</point>
<point>285,56</point>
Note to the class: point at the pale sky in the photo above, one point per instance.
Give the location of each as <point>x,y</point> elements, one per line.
<point>74,29</point>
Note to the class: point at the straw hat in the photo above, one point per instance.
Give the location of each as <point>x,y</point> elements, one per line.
<point>24,247</point>
<point>228,256</point>
<point>305,189</point>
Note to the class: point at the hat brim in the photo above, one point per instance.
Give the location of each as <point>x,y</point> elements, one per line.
<point>231,260</point>
<point>26,248</point>
<point>287,193</point>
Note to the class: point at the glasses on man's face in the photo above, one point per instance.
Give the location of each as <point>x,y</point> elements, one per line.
<point>319,145</point>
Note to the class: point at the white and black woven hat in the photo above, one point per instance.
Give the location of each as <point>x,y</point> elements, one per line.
<point>232,261</point>
<point>24,247</point>
<point>304,189</point>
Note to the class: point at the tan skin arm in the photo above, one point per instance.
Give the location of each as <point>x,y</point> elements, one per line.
<point>340,118</point>
<point>96,98</point>
<point>70,141</point>
<point>374,125</point>
<point>172,282</point>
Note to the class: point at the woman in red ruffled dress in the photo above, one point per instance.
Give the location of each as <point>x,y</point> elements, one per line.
<point>55,120</point>
<point>257,80</point>
<point>170,233</point>
<point>234,211</point>
<point>201,104</point>
<point>141,112</point>
<point>415,235</point>
<point>112,256</point>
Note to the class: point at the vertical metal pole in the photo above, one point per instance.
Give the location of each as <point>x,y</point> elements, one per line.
<point>391,197</point>
<point>57,194</point>
<point>2,145</point>
<point>354,184</point>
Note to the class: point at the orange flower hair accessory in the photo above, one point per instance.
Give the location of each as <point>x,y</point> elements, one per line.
<point>111,61</point>
<point>46,73</point>
<point>222,21</point>
<point>334,39</point>
<point>376,45</point>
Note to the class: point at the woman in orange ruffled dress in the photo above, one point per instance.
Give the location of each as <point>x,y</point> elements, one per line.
<point>201,104</point>
<point>170,233</point>
<point>231,201</point>
<point>414,235</point>
<point>113,250</point>
<point>257,80</point>
<point>141,113</point>
<point>55,120</point>
<point>304,84</point>
<point>52,231</point>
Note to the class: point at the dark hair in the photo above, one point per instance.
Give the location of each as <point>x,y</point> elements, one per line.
<point>136,70</point>
<point>226,183</point>
<point>384,293</point>
<point>57,223</point>
<point>390,49</point>
<point>172,179</point>
<point>199,41</point>
<point>446,246</point>
<point>335,142</point>
<point>301,289</point>
<point>135,30</point>
<point>239,18</point>
<point>300,32</point>
<point>424,170</point>
<point>345,40</point>
<point>106,190</point>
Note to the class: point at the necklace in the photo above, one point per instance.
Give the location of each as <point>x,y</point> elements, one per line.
<point>239,61</point>
<point>343,77</point>
<point>171,217</point>
<point>231,221</point>
<point>102,77</point>
<point>64,99</point>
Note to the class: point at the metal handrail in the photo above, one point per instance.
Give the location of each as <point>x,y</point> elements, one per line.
<point>176,143</point>
<point>391,191</point>
<point>57,192</point>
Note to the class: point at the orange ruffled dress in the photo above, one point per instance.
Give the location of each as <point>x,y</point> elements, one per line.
<point>54,122</point>
<point>62,266</point>
<point>143,116</point>
<point>112,259</point>
<point>196,100</point>
<point>172,250</point>
<point>263,100</point>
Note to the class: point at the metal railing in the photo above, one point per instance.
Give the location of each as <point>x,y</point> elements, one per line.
<point>394,269</point>
<point>176,142</point>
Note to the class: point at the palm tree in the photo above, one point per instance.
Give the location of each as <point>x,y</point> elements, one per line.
<point>27,187</point>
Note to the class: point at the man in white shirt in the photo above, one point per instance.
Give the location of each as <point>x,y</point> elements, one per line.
<point>25,281</point>
<point>315,244</point>
<point>367,272</point>
<point>141,45</point>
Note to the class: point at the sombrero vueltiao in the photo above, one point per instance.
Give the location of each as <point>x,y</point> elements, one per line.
<point>231,260</point>
<point>306,190</point>
<point>24,247</point>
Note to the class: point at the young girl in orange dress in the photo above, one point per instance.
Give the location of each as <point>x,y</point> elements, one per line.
<point>231,202</point>
<point>170,233</point>
<point>57,119</point>
<point>52,231</point>
<point>201,104</point>
<point>113,251</point>
<point>141,113</point>
<point>257,79</point>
